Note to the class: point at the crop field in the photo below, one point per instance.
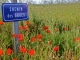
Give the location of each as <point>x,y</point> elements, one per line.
<point>52,32</point>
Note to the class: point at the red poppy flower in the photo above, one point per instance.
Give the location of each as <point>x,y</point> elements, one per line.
<point>32,39</point>
<point>8,51</point>
<point>24,27</point>
<point>20,38</point>
<point>76,39</point>
<point>1,52</point>
<point>56,29</point>
<point>20,27</point>
<point>49,42</point>
<point>55,48</point>
<point>39,36</point>
<point>14,35</point>
<point>14,58</point>
<point>45,27</point>
<point>47,31</point>
<point>19,35</point>
<point>27,23</point>
<point>65,28</point>
<point>22,49</point>
<point>39,40</point>
<point>1,23</point>
<point>31,52</point>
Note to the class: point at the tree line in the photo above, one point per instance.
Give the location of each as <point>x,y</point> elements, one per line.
<point>43,1</point>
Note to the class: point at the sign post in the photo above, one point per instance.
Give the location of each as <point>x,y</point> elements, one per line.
<point>14,12</point>
<point>15,30</point>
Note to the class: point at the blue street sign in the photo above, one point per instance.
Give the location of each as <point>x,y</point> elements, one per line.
<point>14,12</point>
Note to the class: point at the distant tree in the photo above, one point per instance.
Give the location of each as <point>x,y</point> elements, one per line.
<point>45,2</point>
<point>2,1</point>
<point>51,1</point>
<point>78,0</point>
<point>58,1</point>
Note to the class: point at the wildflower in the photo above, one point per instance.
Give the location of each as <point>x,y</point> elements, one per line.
<point>76,39</point>
<point>8,51</point>
<point>14,58</point>
<point>31,52</point>
<point>1,23</point>
<point>56,29</point>
<point>27,23</point>
<point>39,40</point>
<point>20,38</point>
<point>19,35</point>
<point>55,48</point>
<point>14,35</point>
<point>32,39</point>
<point>39,36</point>
<point>45,27</point>
<point>47,31</point>
<point>22,49</point>
<point>49,42</point>
<point>24,27</point>
<point>65,28</point>
<point>20,27</point>
<point>1,52</point>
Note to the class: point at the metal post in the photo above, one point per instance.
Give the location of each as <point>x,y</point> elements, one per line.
<point>15,30</point>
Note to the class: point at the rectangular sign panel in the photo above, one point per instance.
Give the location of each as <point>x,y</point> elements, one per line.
<point>14,12</point>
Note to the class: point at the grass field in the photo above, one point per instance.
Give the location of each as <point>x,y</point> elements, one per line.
<point>51,33</point>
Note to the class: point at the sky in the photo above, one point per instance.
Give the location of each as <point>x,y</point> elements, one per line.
<point>25,0</point>
<point>40,0</point>
<point>37,1</point>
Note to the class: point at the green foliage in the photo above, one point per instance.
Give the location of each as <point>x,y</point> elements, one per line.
<point>53,16</point>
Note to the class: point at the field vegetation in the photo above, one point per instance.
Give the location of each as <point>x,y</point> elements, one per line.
<point>52,32</point>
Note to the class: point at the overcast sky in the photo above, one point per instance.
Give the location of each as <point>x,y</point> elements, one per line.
<point>37,1</point>
<point>26,0</point>
<point>40,0</point>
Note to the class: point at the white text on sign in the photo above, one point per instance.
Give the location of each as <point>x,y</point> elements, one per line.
<point>19,14</point>
<point>16,9</point>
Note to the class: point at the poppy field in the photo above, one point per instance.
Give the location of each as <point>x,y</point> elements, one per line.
<point>52,32</point>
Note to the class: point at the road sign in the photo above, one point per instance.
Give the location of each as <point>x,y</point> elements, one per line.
<point>14,12</point>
